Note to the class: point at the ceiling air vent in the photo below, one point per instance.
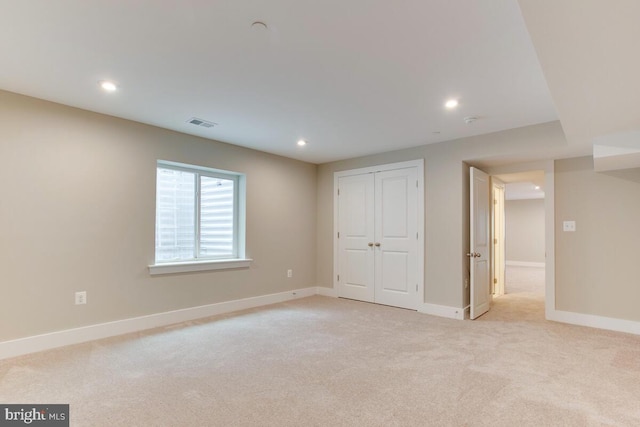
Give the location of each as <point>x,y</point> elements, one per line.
<point>199,122</point>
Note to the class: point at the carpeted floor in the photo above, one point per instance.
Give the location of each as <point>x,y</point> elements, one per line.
<point>524,279</point>
<point>331,362</point>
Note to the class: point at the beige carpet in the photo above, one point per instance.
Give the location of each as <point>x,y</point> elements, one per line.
<point>524,279</point>
<point>330,362</point>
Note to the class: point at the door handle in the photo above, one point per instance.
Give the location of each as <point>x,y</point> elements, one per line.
<point>378,244</point>
<point>474,255</point>
<point>370,244</point>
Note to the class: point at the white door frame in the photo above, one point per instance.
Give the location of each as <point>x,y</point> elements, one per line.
<point>419,165</point>
<point>497,233</point>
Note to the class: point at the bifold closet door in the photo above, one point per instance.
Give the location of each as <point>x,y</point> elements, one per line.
<point>377,241</point>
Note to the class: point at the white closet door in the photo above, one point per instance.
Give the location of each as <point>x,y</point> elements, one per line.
<point>356,239</point>
<point>396,238</point>
<point>377,259</point>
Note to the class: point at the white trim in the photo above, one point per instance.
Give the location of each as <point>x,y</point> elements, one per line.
<point>182,267</point>
<point>327,292</point>
<point>56,339</point>
<point>380,168</point>
<point>442,311</point>
<point>419,165</point>
<point>186,167</point>
<point>549,240</point>
<point>524,264</point>
<point>593,321</point>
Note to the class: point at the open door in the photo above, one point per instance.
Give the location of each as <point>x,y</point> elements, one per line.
<point>497,238</point>
<point>479,243</point>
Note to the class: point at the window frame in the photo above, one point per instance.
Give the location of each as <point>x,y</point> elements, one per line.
<point>198,262</point>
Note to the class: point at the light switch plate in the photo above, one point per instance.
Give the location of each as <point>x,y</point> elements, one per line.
<point>569,226</point>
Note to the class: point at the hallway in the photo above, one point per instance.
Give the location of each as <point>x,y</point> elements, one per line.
<point>524,297</point>
<point>525,280</point>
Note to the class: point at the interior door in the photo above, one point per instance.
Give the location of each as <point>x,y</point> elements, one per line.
<point>356,239</point>
<point>396,238</point>
<point>479,243</point>
<point>497,237</point>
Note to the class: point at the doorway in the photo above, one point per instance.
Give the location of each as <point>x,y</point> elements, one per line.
<point>519,233</point>
<point>518,173</point>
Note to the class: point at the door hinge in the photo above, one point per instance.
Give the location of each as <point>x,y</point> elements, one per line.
<point>416,183</point>
<point>338,277</point>
<point>495,201</point>
<point>338,191</point>
<point>416,236</point>
<point>338,234</point>
<point>416,287</point>
<point>495,241</point>
<point>495,280</point>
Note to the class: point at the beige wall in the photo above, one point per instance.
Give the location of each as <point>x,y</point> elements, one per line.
<point>77,212</point>
<point>524,226</point>
<point>446,200</point>
<point>597,265</point>
<point>78,203</point>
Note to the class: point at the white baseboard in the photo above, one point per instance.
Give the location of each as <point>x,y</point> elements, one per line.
<point>327,292</point>
<point>442,311</point>
<point>56,339</point>
<point>52,340</point>
<point>524,264</point>
<point>593,321</point>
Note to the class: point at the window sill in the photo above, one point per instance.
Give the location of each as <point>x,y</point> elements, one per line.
<point>184,267</point>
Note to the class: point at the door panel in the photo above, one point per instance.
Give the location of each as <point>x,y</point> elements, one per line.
<point>479,243</point>
<point>394,196</point>
<point>356,228</point>
<point>395,266</point>
<point>396,232</point>
<point>356,263</point>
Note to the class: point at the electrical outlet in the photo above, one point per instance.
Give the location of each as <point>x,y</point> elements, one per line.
<point>289,273</point>
<point>569,226</point>
<point>81,297</point>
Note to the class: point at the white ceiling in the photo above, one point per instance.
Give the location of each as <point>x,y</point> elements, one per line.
<point>588,51</point>
<point>352,77</point>
<point>523,191</point>
<point>523,185</point>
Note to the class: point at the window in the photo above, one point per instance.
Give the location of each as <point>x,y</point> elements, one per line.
<point>199,217</point>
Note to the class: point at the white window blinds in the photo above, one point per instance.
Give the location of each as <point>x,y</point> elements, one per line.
<point>216,217</point>
<point>196,214</point>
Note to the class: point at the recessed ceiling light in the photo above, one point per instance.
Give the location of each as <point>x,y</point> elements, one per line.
<point>302,143</point>
<point>108,86</point>
<point>452,103</point>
